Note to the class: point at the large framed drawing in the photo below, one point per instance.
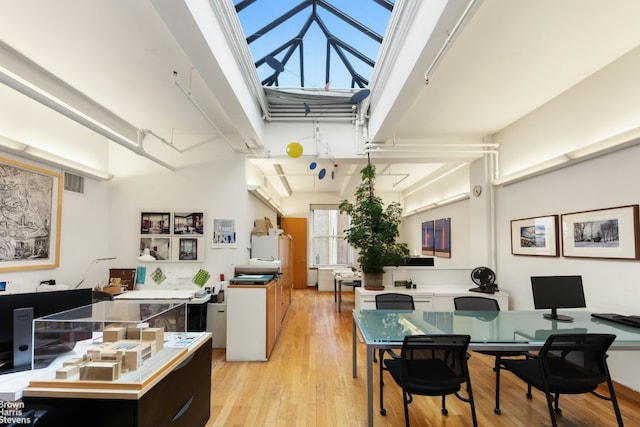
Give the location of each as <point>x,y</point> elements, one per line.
<point>30,217</point>
<point>535,236</point>
<point>610,233</point>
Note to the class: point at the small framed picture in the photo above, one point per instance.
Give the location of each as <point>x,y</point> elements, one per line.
<point>188,249</point>
<point>155,223</point>
<point>535,236</point>
<point>224,233</point>
<point>159,247</point>
<point>610,233</point>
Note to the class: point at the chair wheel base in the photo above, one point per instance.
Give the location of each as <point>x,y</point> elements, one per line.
<point>383,412</point>
<point>529,396</point>
<point>445,412</point>
<point>496,411</point>
<point>558,411</point>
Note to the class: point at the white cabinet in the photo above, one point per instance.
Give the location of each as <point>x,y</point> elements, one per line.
<point>428,298</point>
<point>325,279</point>
<point>217,324</point>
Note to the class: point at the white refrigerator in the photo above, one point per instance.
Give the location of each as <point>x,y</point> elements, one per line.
<point>265,247</point>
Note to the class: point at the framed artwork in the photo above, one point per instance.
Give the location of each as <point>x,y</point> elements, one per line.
<point>155,223</point>
<point>188,248</point>
<point>224,233</point>
<point>188,223</point>
<point>442,237</point>
<point>535,236</point>
<point>159,247</point>
<point>427,238</point>
<point>610,233</point>
<point>30,217</point>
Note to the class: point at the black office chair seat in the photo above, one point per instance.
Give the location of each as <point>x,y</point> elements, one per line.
<point>432,365</point>
<point>567,364</point>
<point>439,373</point>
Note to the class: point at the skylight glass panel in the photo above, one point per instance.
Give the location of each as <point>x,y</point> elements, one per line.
<point>298,34</point>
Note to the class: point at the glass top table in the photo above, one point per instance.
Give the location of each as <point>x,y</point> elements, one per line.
<point>489,330</point>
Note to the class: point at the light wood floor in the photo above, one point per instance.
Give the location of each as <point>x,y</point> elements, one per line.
<point>308,382</point>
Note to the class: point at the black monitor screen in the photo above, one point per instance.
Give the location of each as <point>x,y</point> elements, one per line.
<point>43,304</point>
<point>553,292</point>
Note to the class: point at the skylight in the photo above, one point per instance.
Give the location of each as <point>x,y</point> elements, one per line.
<point>320,45</point>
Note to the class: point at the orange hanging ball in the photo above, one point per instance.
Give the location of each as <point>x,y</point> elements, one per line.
<point>294,150</point>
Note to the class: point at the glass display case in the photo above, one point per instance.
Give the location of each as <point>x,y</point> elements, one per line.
<point>121,342</point>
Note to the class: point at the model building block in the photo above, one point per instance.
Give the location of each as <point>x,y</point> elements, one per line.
<point>100,371</point>
<point>154,334</point>
<point>67,372</point>
<point>114,333</point>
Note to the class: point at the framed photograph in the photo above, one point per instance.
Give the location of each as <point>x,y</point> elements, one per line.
<point>155,223</point>
<point>159,247</point>
<point>224,233</point>
<point>427,238</point>
<point>442,237</point>
<point>610,233</point>
<point>188,249</point>
<point>535,236</point>
<point>188,223</point>
<point>30,217</point>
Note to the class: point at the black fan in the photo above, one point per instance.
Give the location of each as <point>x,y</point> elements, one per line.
<point>485,278</point>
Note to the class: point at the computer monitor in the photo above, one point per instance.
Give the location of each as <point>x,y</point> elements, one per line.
<point>17,312</point>
<point>554,292</point>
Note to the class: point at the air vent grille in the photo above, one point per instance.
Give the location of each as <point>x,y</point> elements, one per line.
<point>73,183</point>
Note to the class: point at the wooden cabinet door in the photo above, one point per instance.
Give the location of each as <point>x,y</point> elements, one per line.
<point>297,229</point>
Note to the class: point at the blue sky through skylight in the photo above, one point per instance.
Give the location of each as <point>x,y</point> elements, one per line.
<point>369,13</point>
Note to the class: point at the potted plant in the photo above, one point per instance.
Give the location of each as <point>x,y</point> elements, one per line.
<point>374,230</point>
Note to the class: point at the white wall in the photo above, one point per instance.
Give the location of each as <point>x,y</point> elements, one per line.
<point>218,189</point>
<point>603,105</point>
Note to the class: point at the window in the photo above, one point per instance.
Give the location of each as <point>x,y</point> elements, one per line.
<point>328,244</point>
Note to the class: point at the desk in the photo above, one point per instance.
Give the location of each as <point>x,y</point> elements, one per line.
<point>502,330</point>
<point>196,307</point>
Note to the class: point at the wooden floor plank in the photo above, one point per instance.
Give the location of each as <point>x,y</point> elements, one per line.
<point>308,382</point>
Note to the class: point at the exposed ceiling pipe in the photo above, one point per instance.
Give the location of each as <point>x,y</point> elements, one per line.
<point>204,114</point>
<point>12,57</point>
<point>452,33</point>
<point>171,144</point>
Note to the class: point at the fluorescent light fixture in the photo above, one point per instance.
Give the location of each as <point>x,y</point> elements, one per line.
<point>531,171</point>
<point>456,198</point>
<point>263,195</point>
<point>438,204</point>
<point>616,142</point>
<point>25,150</point>
<point>12,144</point>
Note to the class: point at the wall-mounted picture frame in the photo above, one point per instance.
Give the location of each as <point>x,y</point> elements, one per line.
<point>188,223</point>
<point>442,237</point>
<point>427,238</point>
<point>155,223</point>
<point>159,247</point>
<point>30,237</point>
<point>224,233</point>
<point>188,249</point>
<point>536,236</point>
<point>610,233</point>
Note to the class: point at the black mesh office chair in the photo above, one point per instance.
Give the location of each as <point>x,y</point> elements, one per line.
<point>473,303</point>
<point>567,364</point>
<point>433,365</point>
<point>390,301</point>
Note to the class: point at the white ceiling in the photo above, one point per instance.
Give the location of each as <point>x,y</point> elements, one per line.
<point>146,63</point>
